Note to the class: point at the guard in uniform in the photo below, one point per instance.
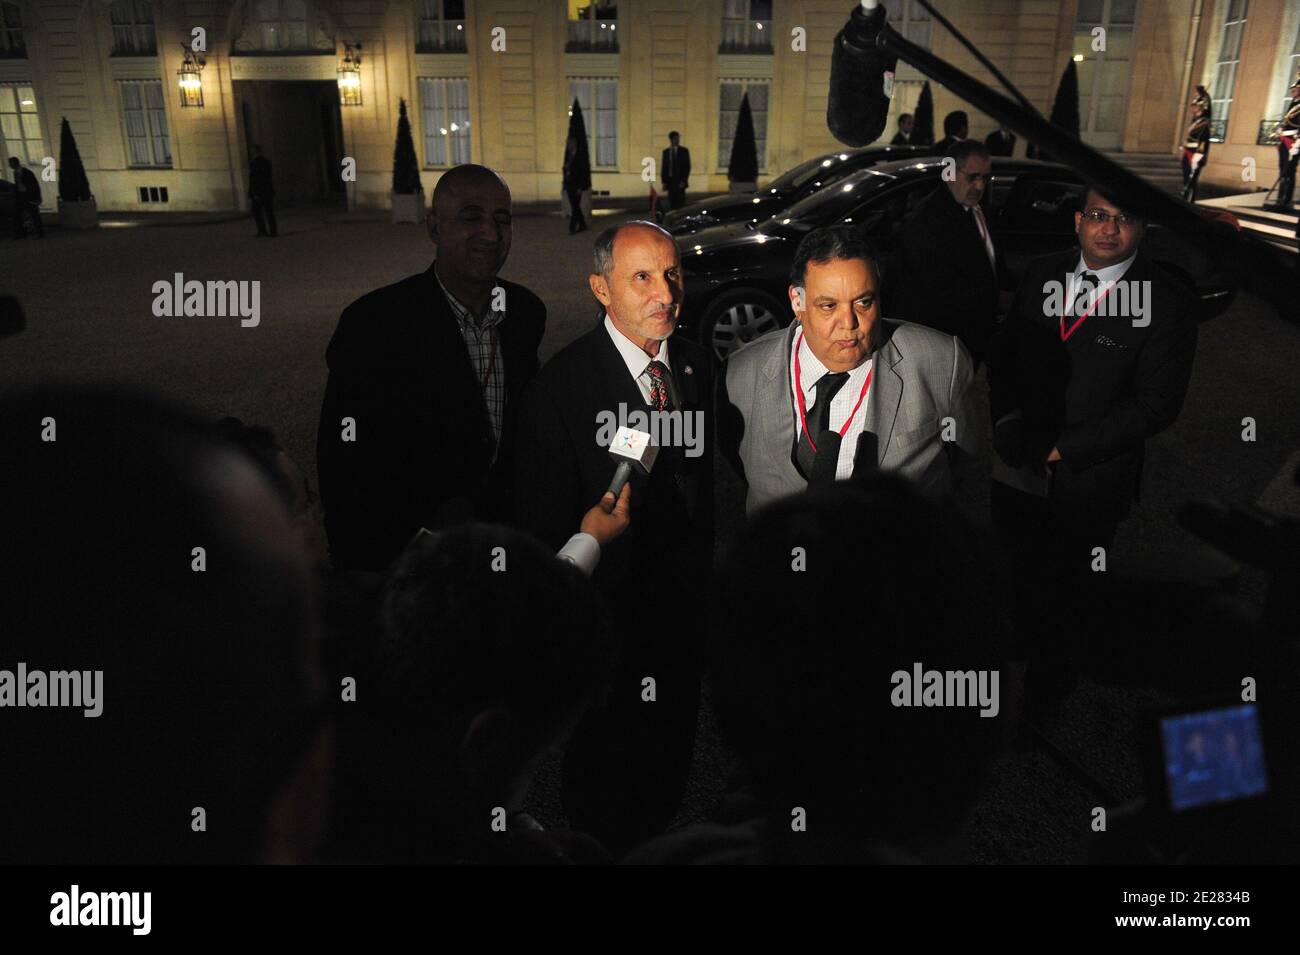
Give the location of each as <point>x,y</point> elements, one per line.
<point>1288,150</point>
<point>1196,144</point>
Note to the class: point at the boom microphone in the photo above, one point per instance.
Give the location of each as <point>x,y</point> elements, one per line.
<point>633,452</point>
<point>862,78</point>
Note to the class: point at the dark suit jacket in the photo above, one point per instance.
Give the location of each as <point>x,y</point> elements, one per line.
<point>31,187</point>
<point>1000,145</point>
<point>900,140</point>
<point>946,143</point>
<point>423,448</point>
<point>1100,395</point>
<point>259,177</point>
<point>947,281</point>
<point>563,469</point>
<point>682,169</point>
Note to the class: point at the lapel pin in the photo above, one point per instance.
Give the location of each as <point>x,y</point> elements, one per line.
<point>689,370</point>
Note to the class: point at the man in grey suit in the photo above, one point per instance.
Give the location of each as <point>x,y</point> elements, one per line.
<point>871,393</point>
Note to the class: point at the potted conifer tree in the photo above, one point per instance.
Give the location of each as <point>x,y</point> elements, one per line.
<point>742,173</point>
<point>77,209</point>
<point>408,193</point>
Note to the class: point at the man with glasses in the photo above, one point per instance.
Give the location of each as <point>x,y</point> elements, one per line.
<point>950,259</point>
<point>1094,358</point>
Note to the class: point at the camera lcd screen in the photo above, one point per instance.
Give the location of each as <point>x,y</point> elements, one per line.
<point>1213,756</point>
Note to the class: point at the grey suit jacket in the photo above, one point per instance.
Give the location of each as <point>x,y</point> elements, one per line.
<point>921,378</point>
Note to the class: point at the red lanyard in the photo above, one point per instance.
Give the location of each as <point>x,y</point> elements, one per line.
<point>798,394</point>
<point>1065,335</point>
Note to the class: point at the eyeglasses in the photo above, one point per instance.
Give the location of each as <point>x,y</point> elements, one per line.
<point>1101,217</point>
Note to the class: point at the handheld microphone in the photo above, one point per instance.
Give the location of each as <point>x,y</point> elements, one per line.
<point>633,452</point>
<point>862,78</point>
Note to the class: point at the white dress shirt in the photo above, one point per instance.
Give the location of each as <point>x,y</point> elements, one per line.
<point>810,370</point>
<point>638,361</point>
<point>1106,277</point>
<point>582,551</point>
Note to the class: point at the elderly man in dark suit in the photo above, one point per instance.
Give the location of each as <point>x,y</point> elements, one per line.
<point>420,413</point>
<point>1094,358</point>
<point>627,764</point>
<point>951,274</point>
<point>675,168</point>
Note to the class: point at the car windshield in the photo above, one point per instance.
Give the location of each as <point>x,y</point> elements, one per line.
<point>829,204</point>
<point>801,175</point>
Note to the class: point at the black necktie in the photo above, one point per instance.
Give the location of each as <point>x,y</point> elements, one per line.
<point>818,420</point>
<point>1082,299</point>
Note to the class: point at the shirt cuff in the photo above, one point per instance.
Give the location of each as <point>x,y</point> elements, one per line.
<point>583,551</point>
<point>1013,416</point>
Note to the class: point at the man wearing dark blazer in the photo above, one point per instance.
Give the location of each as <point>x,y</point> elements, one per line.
<point>1093,359</point>
<point>956,127</point>
<point>419,420</point>
<point>1001,142</point>
<point>951,275</point>
<point>675,167</point>
<point>627,763</point>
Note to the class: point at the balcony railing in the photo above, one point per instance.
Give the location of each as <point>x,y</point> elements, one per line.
<point>746,36</point>
<point>441,36</point>
<point>1268,132</point>
<point>592,36</point>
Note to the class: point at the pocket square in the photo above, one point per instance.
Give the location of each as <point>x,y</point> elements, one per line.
<point>1109,342</point>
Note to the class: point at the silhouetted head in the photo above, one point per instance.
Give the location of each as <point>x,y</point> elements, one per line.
<point>491,649</point>
<point>141,545</point>
<point>674,138</point>
<point>957,124</point>
<point>824,597</point>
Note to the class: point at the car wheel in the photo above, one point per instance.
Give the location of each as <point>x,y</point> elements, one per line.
<point>738,318</point>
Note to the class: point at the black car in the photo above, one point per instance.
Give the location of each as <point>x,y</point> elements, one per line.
<point>784,191</point>
<point>736,276</point>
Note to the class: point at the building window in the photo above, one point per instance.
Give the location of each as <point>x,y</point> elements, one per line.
<point>746,26</point>
<point>444,105</point>
<point>283,26</point>
<point>11,32</point>
<point>1225,69</point>
<point>1290,68</point>
<point>442,26</point>
<point>20,123</point>
<point>911,20</point>
<point>133,33</point>
<point>145,118</point>
<point>593,28</point>
<point>733,91</point>
<point>598,97</point>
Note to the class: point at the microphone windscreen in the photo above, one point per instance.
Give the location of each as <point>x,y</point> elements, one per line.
<point>858,104</point>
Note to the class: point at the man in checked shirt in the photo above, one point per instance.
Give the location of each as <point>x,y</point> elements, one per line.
<point>418,424</point>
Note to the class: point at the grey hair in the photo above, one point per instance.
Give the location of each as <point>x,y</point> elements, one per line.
<point>602,254</point>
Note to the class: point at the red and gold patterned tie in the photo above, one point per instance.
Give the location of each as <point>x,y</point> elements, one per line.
<point>658,385</point>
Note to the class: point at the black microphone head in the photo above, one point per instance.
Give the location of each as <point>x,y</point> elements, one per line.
<point>862,79</point>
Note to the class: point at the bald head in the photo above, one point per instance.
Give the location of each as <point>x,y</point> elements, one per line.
<point>468,178</point>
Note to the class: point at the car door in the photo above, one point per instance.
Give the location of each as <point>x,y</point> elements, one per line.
<point>1033,215</point>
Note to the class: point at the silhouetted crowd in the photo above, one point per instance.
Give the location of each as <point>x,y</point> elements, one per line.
<point>377,675</point>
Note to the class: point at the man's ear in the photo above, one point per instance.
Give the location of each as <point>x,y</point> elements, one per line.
<point>1078,220</point>
<point>599,288</point>
<point>486,747</point>
<point>797,304</point>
